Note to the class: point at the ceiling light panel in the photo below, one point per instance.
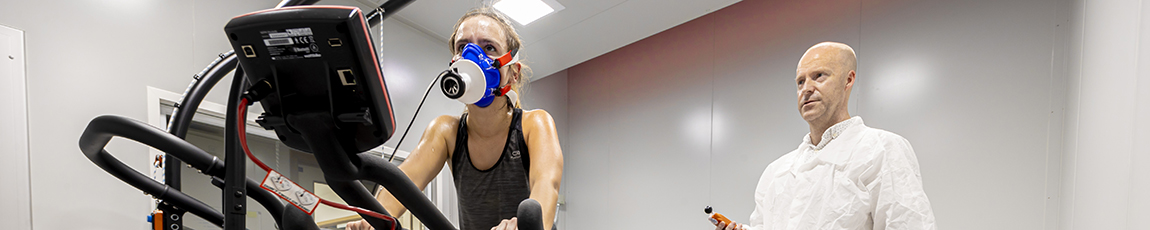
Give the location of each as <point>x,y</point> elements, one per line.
<point>527,11</point>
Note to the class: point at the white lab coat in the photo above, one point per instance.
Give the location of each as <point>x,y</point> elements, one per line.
<point>857,178</point>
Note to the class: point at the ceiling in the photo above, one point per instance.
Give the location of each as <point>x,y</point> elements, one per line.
<point>583,30</point>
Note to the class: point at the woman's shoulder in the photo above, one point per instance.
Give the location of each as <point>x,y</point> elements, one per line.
<point>537,116</point>
<point>446,124</point>
<point>537,119</point>
<point>443,127</point>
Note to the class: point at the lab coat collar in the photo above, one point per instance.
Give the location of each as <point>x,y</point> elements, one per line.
<point>833,132</point>
<point>832,149</point>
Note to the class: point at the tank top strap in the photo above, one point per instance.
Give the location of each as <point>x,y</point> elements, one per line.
<point>460,151</point>
<point>517,143</point>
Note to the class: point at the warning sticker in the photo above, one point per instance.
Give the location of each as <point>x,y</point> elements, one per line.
<point>290,44</point>
<point>290,191</point>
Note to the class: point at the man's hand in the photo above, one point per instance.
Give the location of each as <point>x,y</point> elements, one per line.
<point>359,225</point>
<point>719,226</point>
<point>507,224</point>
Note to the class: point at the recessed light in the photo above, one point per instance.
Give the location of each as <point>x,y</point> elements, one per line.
<point>527,11</point>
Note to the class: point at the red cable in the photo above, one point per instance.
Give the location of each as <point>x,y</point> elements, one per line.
<point>242,114</point>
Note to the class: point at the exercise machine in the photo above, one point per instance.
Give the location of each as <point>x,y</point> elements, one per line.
<point>315,73</point>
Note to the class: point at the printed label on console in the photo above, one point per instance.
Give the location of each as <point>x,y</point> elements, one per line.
<point>287,44</point>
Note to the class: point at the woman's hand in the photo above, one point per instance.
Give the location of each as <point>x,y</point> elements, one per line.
<point>507,224</point>
<point>359,225</point>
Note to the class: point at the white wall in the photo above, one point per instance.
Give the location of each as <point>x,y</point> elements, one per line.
<point>691,116</point>
<point>1107,127</point>
<point>972,85</point>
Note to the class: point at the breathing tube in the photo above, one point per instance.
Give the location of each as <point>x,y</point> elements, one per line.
<point>413,116</point>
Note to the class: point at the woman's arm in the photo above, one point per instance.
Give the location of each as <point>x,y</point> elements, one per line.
<point>425,161</point>
<point>546,161</point>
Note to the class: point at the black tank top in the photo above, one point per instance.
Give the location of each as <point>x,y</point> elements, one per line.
<point>488,196</point>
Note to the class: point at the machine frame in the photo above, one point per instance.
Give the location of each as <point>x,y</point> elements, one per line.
<point>342,168</point>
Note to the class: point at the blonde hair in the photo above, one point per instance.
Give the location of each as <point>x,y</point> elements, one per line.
<point>512,40</point>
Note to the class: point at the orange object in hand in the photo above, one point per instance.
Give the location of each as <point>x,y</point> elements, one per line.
<point>717,218</point>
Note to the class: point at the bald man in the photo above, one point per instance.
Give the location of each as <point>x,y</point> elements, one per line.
<point>844,175</point>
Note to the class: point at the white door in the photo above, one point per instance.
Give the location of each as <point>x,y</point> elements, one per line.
<point>16,201</point>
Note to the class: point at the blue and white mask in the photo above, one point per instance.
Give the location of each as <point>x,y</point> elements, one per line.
<point>473,78</point>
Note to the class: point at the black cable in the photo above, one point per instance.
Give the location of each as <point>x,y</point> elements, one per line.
<point>413,116</point>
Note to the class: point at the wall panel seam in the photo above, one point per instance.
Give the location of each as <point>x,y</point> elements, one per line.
<point>1134,130</point>
<point>1077,118</point>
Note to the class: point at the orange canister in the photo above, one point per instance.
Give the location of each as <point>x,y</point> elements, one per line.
<point>717,218</point>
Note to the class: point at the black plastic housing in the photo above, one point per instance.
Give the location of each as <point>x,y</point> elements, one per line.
<point>316,59</point>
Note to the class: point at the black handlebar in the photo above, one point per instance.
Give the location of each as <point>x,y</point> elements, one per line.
<point>102,129</point>
<point>530,215</point>
<point>295,219</point>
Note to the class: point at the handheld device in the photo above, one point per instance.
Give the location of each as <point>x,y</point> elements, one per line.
<point>716,218</point>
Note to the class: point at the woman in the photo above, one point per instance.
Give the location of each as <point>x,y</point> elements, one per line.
<point>499,154</point>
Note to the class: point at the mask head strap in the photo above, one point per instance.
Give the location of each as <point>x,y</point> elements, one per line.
<point>503,91</point>
<point>507,59</point>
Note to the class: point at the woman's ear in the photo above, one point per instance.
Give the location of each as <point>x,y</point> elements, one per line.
<point>516,72</point>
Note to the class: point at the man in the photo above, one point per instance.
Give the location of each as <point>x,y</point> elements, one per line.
<point>844,175</point>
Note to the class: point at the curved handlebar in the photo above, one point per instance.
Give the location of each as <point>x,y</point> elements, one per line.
<point>101,130</point>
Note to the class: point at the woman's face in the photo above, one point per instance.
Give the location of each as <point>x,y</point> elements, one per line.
<point>489,35</point>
